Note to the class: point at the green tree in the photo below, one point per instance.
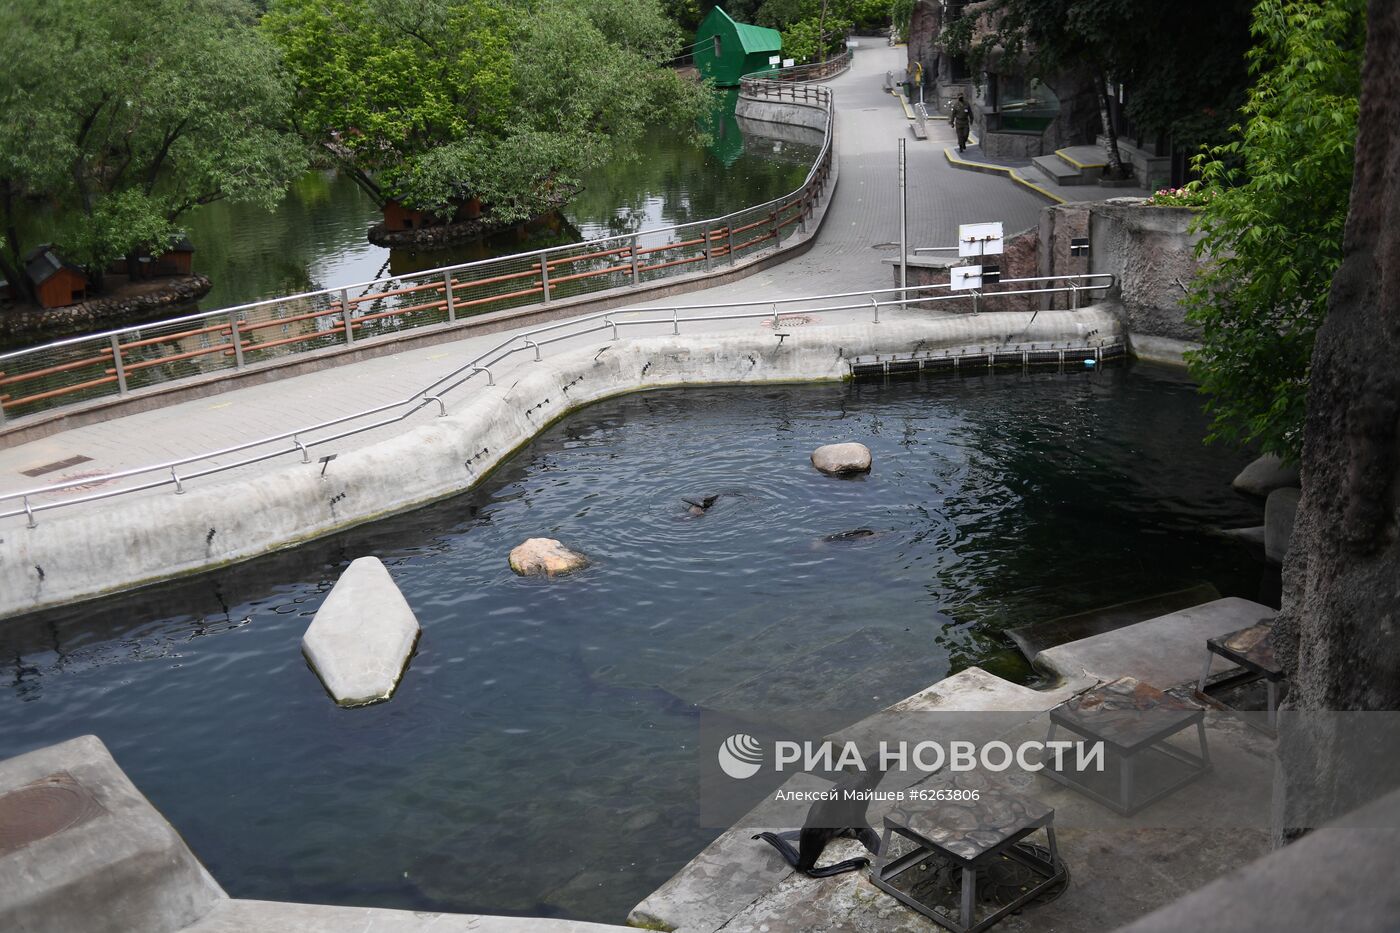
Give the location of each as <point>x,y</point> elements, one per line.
<point>1272,229</point>
<point>117,122</point>
<point>432,102</point>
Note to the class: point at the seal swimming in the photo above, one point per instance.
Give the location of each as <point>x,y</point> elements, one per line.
<point>855,534</point>
<point>701,507</point>
<point>830,819</point>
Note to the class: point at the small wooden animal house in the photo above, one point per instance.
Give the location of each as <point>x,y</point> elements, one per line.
<point>725,51</point>
<point>57,283</point>
<point>177,260</point>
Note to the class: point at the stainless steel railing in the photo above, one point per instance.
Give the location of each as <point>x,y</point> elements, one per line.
<point>228,340</point>
<point>301,440</point>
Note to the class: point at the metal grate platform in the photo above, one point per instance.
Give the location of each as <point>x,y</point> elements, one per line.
<point>983,359</point>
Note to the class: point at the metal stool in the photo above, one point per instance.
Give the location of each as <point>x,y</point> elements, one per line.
<point>969,835</point>
<point>1252,649</point>
<point>1133,720</point>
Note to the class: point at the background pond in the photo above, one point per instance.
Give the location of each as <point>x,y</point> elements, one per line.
<point>540,755</point>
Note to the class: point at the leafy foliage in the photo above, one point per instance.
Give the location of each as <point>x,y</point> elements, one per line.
<point>431,102</point>
<point>1273,226</point>
<point>802,41</point>
<point>117,122</point>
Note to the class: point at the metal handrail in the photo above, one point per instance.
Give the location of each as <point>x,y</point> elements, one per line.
<point>336,305</point>
<point>526,340</point>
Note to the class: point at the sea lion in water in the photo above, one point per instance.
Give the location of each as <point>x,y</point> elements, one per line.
<point>701,507</point>
<point>853,535</point>
<point>830,819</point>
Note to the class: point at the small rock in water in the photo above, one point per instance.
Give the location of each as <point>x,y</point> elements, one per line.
<point>544,556</point>
<point>837,459</point>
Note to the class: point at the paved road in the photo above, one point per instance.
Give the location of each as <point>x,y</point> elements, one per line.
<point>864,213</point>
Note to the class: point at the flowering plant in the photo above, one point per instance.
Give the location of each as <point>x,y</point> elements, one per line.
<point>1186,196</point>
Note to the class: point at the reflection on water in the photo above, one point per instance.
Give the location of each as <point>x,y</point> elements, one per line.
<point>540,755</point>
<point>316,238</point>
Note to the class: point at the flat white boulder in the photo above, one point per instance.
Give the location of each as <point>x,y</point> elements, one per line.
<point>1265,475</point>
<point>842,458</point>
<point>545,556</point>
<point>362,636</point>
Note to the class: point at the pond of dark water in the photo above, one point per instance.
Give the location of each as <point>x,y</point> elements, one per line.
<point>540,754</point>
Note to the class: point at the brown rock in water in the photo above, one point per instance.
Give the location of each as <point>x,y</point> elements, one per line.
<point>545,556</point>
<point>1337,633</point>
<point>838,459</point>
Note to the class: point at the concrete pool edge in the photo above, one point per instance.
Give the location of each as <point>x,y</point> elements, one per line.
<point>126,864</point>
<point>133,542</point>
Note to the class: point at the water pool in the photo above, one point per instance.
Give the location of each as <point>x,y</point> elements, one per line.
<point>540,756</point>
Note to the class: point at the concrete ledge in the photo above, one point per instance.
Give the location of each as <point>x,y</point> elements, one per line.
<point>1340,877</point>
<point>239,916</point>
<point>128,542</point>
<point>114,865</point>
<point>1163,652</point>
<point>1160,349</point>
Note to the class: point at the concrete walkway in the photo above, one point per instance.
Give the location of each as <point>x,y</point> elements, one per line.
<point>846,256</point>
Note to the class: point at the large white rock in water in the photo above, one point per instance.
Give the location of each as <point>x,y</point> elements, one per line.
<point>1265,475</point>
<point>362,636</point>
<point>545,556</point>
<point>842,458</point>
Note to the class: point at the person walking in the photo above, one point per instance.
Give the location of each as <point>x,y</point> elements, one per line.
<point>961,120</point>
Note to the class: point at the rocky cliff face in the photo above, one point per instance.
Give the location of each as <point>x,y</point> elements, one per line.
<point>924,26</point>
<point>1340,625</point>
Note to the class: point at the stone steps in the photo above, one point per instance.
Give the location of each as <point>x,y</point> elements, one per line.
<point>1058,171</point>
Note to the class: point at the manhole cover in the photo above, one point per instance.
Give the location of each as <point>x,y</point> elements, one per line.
<point>42,809</point>
<point>885,246</point>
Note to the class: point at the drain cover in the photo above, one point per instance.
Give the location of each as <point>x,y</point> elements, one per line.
<point>42,809</point>
<point>56,465</point>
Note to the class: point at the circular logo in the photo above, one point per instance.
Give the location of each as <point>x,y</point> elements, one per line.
<point>740,756</point>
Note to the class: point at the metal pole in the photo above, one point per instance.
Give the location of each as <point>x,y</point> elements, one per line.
<point>345,313</point>
<point>544,275</point>
<point>117,365</point>
<point>729,234</point>
<point>636,264</point>
<point>903,229</point>
<point>233,329</point>
<point>707,247</point>
<point>451,301</point>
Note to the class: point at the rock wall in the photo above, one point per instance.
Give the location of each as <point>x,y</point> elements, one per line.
<point>924,25</point>
<point>1339,631</point>
<point>1152,252</point>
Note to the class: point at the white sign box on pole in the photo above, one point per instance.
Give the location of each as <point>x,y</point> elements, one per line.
<point>964,278</point>
<point>979,239</point>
